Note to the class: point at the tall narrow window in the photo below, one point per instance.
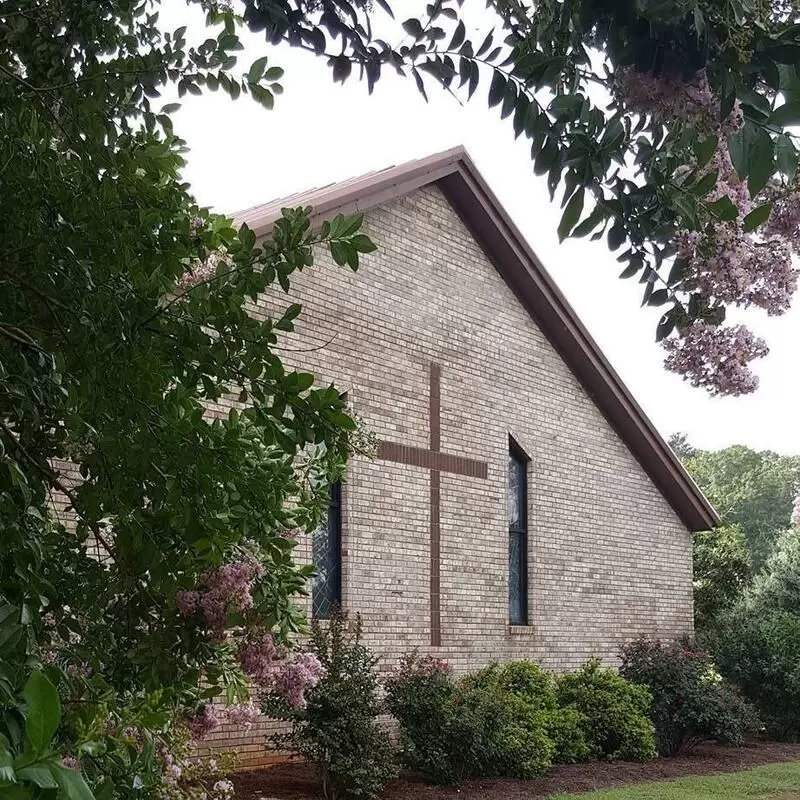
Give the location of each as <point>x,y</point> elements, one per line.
<point>326,553</point>
<point>517,536</point>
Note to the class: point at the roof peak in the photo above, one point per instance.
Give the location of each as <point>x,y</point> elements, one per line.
<point>454,172</point>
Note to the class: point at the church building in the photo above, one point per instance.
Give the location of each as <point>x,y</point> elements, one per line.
<point>520,504</point>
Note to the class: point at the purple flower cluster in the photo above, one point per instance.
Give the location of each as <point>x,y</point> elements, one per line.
<point>669,99</point>
<point>223,789</point>
<point>201,272</point>
<point>274,670</point>
<point>204,722</point>
<point>729,266</point>
<point>724,264</point>
<point>294,677</point>
<point>259,657</point>
<point>71,763</point>
<point>728,182</point>
<point>715,358</point>
<point>209,717</point>
<point>784,221</point>
<point>242,714</point>
<point>228,586</point>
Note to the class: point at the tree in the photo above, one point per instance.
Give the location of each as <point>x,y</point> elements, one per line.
<point>721,571</point>
<point>681,446</point>
<point>756,642</point>
<point>123,321</point>
<point>752,490</point>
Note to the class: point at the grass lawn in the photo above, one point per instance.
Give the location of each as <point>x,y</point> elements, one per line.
<point>770,782</point>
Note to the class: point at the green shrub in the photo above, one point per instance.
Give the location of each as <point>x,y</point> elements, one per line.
<point>503,734</point>
<point>566,729</point>
<point>527,681</point>
<point>758,649</point>
<point>691,701</point>
<point>452,731</point>
<point>615,712</point>
<point>336,729</point>
<point>524,679</point>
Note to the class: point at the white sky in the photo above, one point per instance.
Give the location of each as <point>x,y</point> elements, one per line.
<point>242,155</point>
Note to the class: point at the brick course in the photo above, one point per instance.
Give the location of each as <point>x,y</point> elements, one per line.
<point>608,557</point>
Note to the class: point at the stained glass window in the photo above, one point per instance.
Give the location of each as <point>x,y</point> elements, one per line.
<point>517,536</point>
<point>326,553</point>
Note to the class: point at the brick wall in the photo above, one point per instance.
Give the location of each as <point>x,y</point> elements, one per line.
<point>608,557</point>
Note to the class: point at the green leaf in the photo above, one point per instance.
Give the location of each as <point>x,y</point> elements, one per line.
<point>39,774</point>
<point>274,74</point>
<point>6,762</point>
<point>590,223</point>
<point>705,184</point>
<point>757,216</point>
<point>256,70</point>
<point>571,215</point>
<point>363,243</point>
<point>665,325</point>
<point>755,101</point>
<point>497,89</point>
<point>616,236</point>
<point>632,269</point>
<point>339,252</point>
<point>285,322</point>
<point>71,783</point>
<point>303,381</point>
<point>787,114</point>
<point>724,209</point>
<point>738,148</point>
<point>658,297</point>
<point>42,711</point>
<point>786,155</point>
<point>546,157</point>
<point>413,27</point>
<point>761,162</point>
<point>458,36</point>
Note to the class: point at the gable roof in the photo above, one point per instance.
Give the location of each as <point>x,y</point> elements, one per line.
<point>465,189</point>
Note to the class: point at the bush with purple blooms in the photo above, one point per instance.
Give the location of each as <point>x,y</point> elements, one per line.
<point>336,728</point>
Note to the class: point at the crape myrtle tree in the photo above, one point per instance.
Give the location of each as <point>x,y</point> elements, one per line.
<point>686,165</point>
<point>123,319</point>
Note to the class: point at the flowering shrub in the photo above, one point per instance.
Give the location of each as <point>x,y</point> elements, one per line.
<point>422,696</point>
<point>335,727</point>
<point>691,703</point>
<point>614,712</point>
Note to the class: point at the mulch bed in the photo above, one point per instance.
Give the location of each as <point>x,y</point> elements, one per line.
<point>298,782</point>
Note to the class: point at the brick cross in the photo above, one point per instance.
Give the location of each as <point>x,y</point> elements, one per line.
<point>437,462</point>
